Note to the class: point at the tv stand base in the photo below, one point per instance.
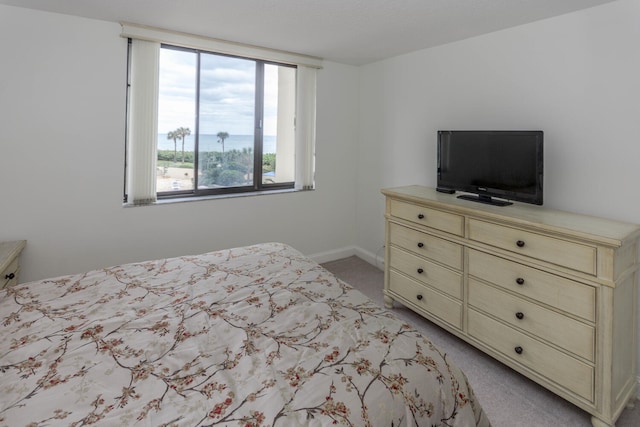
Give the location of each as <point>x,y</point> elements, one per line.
<point>485,199</point>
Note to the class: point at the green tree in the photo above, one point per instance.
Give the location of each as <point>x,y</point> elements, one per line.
<point>173,135</point>
<point>221,137</point>
<point>230,178</point>
<point>268,162</point>
<point>182,133</point>
<point>247,160</point>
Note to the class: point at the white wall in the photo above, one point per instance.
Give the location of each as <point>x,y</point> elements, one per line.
<point>577,77</point>
<point>573,76</point>
<point>62,109</point>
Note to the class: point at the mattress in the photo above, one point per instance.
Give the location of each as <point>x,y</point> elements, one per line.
<point>252,336</point>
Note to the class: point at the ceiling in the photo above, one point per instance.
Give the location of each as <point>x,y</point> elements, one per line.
<point>347,31</point>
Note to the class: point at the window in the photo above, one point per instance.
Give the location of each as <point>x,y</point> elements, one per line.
<point>225,124</point>
<point>206,122</point>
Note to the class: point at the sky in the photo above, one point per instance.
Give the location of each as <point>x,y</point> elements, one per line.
<point>227,94</point>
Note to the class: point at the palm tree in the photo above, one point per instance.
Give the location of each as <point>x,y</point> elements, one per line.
<point>173,135</point>
<point>182,134</point>
<point>221,137</point>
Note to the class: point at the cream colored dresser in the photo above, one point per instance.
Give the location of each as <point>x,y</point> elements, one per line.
<point>551,294</point>
<point>10,262</point>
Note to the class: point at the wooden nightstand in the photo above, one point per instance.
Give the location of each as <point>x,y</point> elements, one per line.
<point>10,262</point>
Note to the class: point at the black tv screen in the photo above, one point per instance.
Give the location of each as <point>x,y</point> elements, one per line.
<point>492,164</point>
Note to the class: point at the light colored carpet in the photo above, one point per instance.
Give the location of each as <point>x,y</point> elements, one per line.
<point>509,399</point>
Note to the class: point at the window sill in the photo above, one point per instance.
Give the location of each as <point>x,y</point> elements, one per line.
<point>215,197</point>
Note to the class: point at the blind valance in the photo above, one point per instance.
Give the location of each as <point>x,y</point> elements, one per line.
<point>142,32</point>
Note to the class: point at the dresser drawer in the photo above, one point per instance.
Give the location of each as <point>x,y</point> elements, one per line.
<point>433,218</point>
<point>554,365</point>
<point>564,253</point>
<point>551,326</point>
<point>427,272</point>
<point>9,276</point>
<point>563,294</point>
<point>423,244</point>
<point>426,299</point>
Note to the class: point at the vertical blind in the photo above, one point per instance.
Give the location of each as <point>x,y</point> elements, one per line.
<point>305,128</point>
<point>143,122</point>
<point>143,103</point>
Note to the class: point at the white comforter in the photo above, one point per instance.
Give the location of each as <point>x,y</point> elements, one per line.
<point>251,336</point>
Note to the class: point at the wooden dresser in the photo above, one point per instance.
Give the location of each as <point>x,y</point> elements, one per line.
<point>551,294</point>
<point>10,262</point>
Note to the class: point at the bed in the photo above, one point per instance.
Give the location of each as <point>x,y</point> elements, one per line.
<point>252,336</point>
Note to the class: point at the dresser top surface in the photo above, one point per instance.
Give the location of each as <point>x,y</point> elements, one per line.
<point>604,230</point>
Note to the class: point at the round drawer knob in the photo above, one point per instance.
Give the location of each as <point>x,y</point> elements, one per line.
<point>520,243</point>
<point>420,216</point>
<point>518,350</point>
<point>420,271</point>
<point>520,281</point>
<point>420,245</point>
<point>520,315</point>
<point>10,276</point>
<point>419,296</point>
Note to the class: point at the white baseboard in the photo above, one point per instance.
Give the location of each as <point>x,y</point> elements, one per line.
<point>333,255</point>
<point>376,260</point>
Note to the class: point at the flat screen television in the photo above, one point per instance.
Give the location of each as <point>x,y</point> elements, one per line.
<point>495,166</point>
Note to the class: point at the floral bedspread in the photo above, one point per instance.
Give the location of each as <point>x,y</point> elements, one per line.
<point>252,336</point>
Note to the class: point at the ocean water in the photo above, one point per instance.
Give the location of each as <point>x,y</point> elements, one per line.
<point>210,143</point>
